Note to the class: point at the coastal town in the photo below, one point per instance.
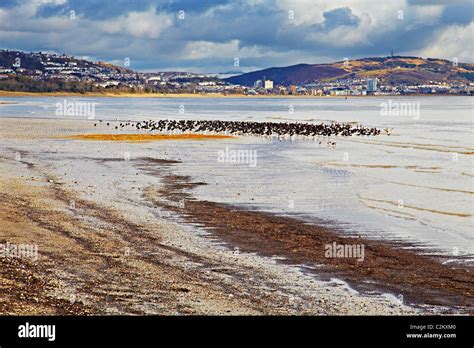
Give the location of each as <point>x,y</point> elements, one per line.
<point>48,72</point>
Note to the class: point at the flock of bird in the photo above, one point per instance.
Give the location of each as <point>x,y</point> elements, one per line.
<point>278,129</point>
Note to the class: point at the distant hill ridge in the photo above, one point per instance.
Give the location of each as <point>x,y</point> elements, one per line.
<point>393,70</point>
<point>39,61</point>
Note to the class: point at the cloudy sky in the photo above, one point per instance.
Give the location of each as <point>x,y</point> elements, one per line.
<point>218,36</point>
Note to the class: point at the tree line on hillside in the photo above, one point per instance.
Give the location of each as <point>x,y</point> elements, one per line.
<point>27,84</point>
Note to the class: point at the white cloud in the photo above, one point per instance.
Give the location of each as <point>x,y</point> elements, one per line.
<point>428,14</point>
<point>21,19</point>
<point>452,42</point>
<point>345,36</point>
<point>230,50</point>
<point>308,12</point>
<point>54,2</point>
<point>147,24</point>
<point>207,49</point>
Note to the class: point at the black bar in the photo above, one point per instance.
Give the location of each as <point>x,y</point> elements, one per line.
<point>195,330</point>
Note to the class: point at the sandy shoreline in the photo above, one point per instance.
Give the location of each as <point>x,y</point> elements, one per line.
<point>130,253</point>
<point>191,95</point>
<point>145,137</point>
<point>421,279</point>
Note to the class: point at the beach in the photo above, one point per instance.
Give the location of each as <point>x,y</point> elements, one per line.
<point>4,93</point>
<point>134,223</point>
<point>84,266</point>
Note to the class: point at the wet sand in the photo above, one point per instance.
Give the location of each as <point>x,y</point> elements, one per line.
<point>95,265</point>
<point>420,279</point>
<point>154,257</point>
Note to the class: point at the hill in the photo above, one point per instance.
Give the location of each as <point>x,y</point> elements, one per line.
<point>54,63</point>
<point>393,70</point>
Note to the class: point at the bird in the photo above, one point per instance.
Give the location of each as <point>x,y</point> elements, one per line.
<point>271,130</point>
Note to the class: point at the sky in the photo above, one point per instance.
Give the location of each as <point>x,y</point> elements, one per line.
<point>219,36</point>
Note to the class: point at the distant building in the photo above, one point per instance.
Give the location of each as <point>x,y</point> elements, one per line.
<point>339,91</point>
<point>258,84</point>
<point>268,84</point>
<point>371,85</point>
<point>154,80</point>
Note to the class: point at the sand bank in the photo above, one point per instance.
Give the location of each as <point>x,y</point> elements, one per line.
<point>146,137</point>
